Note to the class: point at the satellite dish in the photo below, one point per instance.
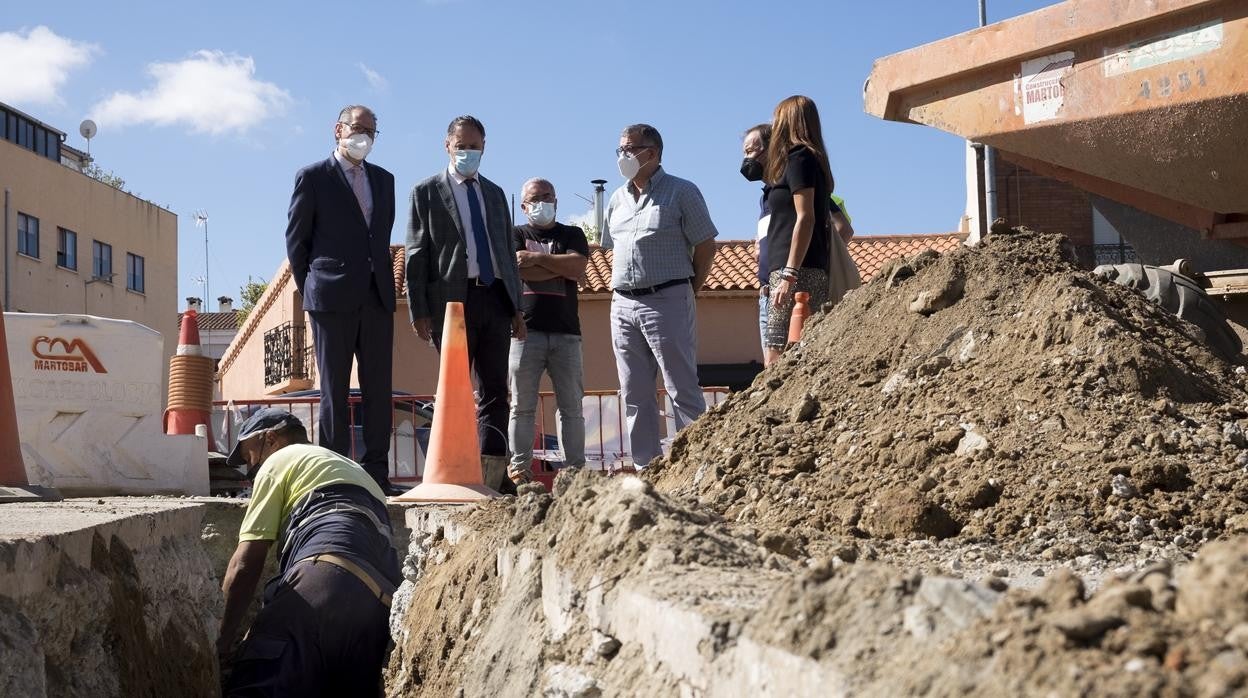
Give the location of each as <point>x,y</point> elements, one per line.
<point>87,129</point>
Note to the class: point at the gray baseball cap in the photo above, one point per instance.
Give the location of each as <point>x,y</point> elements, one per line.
<point>265,419</point>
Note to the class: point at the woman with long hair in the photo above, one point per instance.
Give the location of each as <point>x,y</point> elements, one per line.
<point>800,183</point>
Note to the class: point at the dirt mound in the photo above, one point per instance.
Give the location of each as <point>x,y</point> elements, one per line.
<point>898,633</point>
<point>612,588</point>
<point>995,393</point>
<point>501,612</point>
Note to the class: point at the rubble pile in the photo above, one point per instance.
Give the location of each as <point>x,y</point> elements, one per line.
<point>997,393</point>
<point>516,606</point>
<point>612,588</point>
<point>983,474</point>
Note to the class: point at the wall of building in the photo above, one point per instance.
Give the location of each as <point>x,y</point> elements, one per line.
<point>1042,203</point>
<point>64,198</point>
<point>241,372</point>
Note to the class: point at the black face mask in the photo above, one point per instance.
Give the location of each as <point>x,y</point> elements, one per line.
<point>752,169</point>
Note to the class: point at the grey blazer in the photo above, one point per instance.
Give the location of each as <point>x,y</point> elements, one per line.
<point>437,254</point>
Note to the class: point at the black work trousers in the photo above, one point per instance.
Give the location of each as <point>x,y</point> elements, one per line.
<point>323,634</point>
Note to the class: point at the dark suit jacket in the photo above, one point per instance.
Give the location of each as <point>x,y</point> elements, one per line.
<point>437,254</point>
<point>330,245</point>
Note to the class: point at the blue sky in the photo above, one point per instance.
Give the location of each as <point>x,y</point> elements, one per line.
<point>213,106</point>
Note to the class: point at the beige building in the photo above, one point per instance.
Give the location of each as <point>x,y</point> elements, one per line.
<point>272,353</point>
<point>73,244</point>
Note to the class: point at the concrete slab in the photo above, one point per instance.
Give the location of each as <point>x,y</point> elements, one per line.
<point>94,589</point>
<point>35,535</point>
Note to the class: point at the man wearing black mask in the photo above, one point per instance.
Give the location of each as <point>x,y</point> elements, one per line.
<point>754,147</point>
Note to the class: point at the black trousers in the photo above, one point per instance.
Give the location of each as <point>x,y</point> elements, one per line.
<point>487,319</point>
<point>323,634</point>
<point>366,336</point>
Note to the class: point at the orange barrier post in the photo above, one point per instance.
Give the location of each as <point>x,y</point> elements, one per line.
<point>14,485</point>
<point>453,465</point>
<point>190,382</point>
<point>801,310</point>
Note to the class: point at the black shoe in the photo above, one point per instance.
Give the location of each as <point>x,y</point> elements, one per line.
<point>507,487</point>
<point>393,490</point>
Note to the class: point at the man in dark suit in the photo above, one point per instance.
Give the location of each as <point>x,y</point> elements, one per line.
<point>338,242</point>
<point>459,248</point>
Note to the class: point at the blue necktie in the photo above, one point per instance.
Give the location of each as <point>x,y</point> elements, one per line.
<point>486,267</point>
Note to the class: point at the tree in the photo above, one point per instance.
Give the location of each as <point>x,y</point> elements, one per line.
<point>591,232</point>
<point>96,172</point>
<point>250,292</point>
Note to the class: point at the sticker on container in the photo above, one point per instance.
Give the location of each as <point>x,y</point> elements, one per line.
<point>1175,46</point>
<point>1039,89</point>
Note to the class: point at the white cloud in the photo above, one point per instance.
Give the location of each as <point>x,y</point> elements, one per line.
<point>45,61</point>
<point>374,78</point>
<point>586,218</point>
<point>211,92</point>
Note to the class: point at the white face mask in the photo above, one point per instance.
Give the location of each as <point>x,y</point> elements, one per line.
<point>629,166</point>
<point>358,145</point>
<point>541,213</point>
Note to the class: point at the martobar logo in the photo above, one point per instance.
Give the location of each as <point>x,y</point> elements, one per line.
<point>59,354</point>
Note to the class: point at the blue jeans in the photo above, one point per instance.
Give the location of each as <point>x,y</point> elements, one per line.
<point>559,355</point>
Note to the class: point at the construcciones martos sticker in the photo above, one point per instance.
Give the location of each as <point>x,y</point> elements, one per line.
<point>1039,88</point>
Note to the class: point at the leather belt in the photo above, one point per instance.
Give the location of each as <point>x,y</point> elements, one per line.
<point>635,292</point>
<point>342,562</point>
<point>475,281</point>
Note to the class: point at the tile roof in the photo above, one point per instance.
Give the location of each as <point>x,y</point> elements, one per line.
<point>214,321</point>
<point>872,252</point>
<point>734,268</point>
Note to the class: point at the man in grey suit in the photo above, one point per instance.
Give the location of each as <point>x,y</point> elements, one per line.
<point>338,243</point>
<point>459,248</point>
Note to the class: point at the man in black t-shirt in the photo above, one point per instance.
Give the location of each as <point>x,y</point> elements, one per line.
<point>551,257</point>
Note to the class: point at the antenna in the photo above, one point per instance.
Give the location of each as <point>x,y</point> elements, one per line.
<point>201,221</point>
<point>88,129</point>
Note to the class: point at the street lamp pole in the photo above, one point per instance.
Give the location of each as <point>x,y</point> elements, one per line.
<point>201,219</point>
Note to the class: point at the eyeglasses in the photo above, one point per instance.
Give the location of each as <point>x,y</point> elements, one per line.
<point>357,128</point>
<point>631,149</point>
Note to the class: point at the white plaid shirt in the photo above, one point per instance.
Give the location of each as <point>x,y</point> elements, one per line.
<point>654,235</point>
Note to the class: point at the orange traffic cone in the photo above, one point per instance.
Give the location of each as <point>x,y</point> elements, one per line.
<point>190,382</point>
<point>453,465</point>
<point>801,310</point>
<point>14,485</point>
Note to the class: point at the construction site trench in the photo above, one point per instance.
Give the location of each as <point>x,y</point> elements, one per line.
<point>985,473</point>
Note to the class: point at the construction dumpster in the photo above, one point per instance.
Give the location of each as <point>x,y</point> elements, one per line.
<point>1141,102</point>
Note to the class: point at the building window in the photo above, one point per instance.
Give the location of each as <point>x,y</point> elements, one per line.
<point>101,261</point>
<point>29,135</point>
<point>134,272</point>
<point>28,235</point>
<point>67,249</point>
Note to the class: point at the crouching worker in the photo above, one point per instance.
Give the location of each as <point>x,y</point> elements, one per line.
<point>322,628</point>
